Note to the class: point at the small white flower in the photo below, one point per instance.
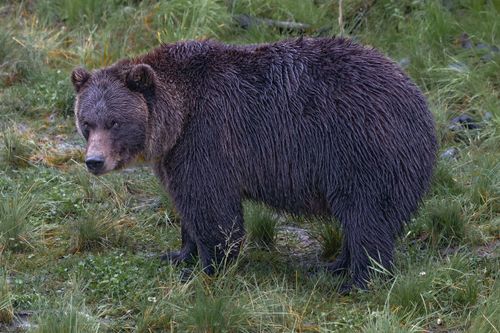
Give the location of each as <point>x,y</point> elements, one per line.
<point>152,299</point>
<point>439,321</point>
<point>422,273</point>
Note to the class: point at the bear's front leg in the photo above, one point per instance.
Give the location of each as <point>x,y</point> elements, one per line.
<point>211,219</point>
<point>186,254</point>
<point>219,235</point>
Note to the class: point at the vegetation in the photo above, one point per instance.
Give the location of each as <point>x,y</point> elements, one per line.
<point>59,224</point>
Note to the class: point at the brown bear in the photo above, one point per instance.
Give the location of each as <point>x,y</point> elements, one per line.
<point>308,126</point>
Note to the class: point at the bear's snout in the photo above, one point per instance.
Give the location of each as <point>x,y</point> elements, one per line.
<point>95,164</point>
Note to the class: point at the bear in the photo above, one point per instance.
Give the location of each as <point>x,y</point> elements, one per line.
<point>309,126</point>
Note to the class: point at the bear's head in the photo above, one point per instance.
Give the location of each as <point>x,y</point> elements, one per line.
<point>111,113</point>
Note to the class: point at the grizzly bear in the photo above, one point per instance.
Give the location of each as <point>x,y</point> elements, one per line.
<point>316,126</point>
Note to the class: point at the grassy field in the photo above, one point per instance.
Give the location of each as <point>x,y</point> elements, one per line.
<point>79,253</point>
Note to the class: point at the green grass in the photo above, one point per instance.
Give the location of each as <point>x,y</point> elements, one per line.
<point>6,309</point>
<point>260,225</point>
<point>16,150</point>
<point>15,227</point>
<point>330,238</point>
<point>59,224</point>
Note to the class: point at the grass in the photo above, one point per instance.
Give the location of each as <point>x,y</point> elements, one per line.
<point>60,224</point>
<point>6,309</point>
<point>330,238</point>
<point>15,227</point>
<point>16,150</point>
<point>260,225</point>
<point>95,230</point>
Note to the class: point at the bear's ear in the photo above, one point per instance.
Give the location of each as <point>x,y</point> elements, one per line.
<point>141,78</point>
<point>78,77</point>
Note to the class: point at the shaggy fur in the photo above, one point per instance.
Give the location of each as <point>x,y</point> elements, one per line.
<point>308,126</point>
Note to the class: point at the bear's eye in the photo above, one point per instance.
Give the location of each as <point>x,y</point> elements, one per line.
<point>85,130</point>
<point>114,124</point>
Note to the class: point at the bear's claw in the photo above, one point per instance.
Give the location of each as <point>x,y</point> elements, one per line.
<point>177,257</point>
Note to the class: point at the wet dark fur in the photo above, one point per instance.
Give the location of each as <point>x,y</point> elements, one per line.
<point>309,126</point>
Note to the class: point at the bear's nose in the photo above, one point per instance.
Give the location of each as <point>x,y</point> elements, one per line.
<point>94,163</point>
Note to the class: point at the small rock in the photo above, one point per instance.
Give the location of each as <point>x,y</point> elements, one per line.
<point>404,63</point>
<point>487,57</point>
<point>449,153</point>
<point>488,116</point>
<point>458,67</point>
<point>465,41</point>
<point>463,121</point>
<point>482,46</point>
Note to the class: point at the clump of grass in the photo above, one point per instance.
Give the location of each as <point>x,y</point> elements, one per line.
<point>213,311</point>
<point>108,189</point>
<point>410,293</point>
<point>260,224</point>
<point>68,316</point>
<point>330,238</point>
<point>96,229</point>
<point>442,287</point>
<point>444,221</point>
<point>6,308</point>
<point>385,322</point>
<point>16,149</point>
<point>154,317</point>
<point>15,210</point>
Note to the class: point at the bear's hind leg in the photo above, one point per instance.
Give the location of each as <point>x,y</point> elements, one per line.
<point>187,253</point>
<point>370,242</point>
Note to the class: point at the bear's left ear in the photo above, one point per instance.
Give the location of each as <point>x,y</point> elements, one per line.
<point>141,78</point>
<point>78,77</point>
